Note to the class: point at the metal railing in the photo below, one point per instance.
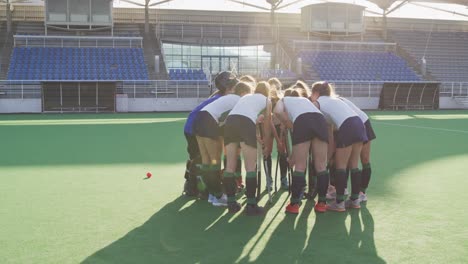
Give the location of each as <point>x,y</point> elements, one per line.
<point>165,89</point>
<point>342,45</point>
<point>77,42</point>
<point>22,89</point>
<point>453,89</point>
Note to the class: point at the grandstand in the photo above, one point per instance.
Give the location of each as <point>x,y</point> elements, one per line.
<point>52,63</point>
<point>174,62</point>
<point>446,53</point>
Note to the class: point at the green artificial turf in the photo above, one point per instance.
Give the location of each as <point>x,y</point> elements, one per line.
<point>73,189</point>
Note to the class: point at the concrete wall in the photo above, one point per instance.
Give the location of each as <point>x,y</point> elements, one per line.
<point>365,103</point>
<point>20,105</point>
<point>448,103</point>
<point>160,105</point>
<point>181,104</point>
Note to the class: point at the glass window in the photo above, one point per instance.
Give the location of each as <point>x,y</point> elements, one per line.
<point>252,59</point>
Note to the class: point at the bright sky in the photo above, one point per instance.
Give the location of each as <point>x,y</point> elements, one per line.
<point>408,10</point>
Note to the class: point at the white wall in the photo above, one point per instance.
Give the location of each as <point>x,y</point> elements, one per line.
<point>162,105</point>
<point>365,103</point>
<point>448,103</point>
<point>20,105</point>
<point>181,104</point>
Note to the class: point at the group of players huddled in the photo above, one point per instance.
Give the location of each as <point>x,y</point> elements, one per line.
<point>326,130</point>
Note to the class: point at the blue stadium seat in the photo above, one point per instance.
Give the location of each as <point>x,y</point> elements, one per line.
<point>362,66</point>
<point>186,74</point>
<point>77,64</point>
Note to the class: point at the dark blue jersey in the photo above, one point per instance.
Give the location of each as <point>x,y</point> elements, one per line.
<point>188,128</point>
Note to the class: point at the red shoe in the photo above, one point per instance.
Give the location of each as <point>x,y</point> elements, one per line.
<point>320,207</point>
<point>292,208</point>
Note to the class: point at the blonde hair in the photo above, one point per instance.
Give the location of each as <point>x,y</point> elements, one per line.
<point>243,87</point>
<point>288,92</point>
<point>301,92</point>
<point>323,89</point>
<point>302,85</point>
<point>248,79</point>
<point>274,82</point>
<point>263,88</point>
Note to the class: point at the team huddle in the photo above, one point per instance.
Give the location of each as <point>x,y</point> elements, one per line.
<point>316,132</point>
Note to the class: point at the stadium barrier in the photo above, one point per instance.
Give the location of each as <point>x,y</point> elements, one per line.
<point>17,96</point>
<point>77,42</point>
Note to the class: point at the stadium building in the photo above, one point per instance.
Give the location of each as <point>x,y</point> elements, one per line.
<point>97,56</point>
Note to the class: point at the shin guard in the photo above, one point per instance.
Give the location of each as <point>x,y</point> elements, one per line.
<point>230,186</point>
<point>332,170</point>
<point>365,176</point>
<point>340,179</point>
<point>355,183</point>
<point>322,185</point>
<point>251,187</point>
<point>297,187</point>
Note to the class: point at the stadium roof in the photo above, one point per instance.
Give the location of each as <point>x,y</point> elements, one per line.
<point>425,9</point>
<point>387,3</point>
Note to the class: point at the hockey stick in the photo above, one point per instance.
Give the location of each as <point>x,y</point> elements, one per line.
<point>259,169</point>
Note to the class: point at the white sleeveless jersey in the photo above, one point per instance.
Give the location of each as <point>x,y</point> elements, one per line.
<point>220,108</point>
<point>335,110</point>
<point>295,106</point>
<point>356,109</point>
<point>250,105</point>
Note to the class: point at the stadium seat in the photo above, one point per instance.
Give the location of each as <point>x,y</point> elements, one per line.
<point>77,64</point>
<point>359,66</point>
<point>186,74</point>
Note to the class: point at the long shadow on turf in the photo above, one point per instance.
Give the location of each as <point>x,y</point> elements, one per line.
<point>328,242</point>
<point>197,233</point>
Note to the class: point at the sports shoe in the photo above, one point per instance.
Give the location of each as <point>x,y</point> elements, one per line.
<point>284,183</point>
<point>253,210</point>
<point>234,207</point>
<point>363,197</point>
<point>292,208</point>
<point>211,198</point>
<point>354,204</point>
<point>221,201</point>
<point>337,207</point>
<point>320,207</point>
<point>331,193</point>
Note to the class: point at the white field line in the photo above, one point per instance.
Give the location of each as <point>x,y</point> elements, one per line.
<point>423,127</point>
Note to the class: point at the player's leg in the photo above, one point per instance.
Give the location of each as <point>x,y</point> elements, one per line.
<point>229,180</point>
<point>366,170</point>
<point>342,155</point>
<point>300,154</point>
<point>239,181</point>
<point>250,161</point>
<point>214,149</point>
<point>191,170</point>
<point>283,161</point>
<point>319,152</point>
<point>203,178</point>
<point>353,163</point>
